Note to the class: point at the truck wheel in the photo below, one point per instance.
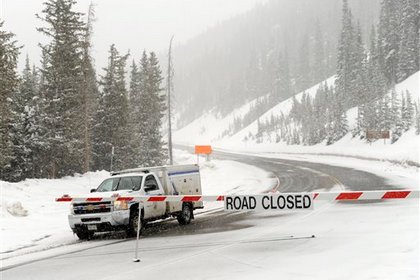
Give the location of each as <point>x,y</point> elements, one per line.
<point>184,218</point>
<point>133,224</point>
<point>84,234</point>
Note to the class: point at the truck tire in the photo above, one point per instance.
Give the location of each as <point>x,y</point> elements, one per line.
<point>184,218</point>
<point>84,234</point>
<point>132,226</point>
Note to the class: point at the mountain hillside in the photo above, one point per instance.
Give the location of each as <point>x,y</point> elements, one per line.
<point>209,129</point>
<point>280,48</point>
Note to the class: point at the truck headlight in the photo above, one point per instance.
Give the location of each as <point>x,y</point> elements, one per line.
<point>120,205</point>
<point>71,208</point>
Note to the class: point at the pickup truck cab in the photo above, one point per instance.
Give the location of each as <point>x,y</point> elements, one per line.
<point>89,217</point>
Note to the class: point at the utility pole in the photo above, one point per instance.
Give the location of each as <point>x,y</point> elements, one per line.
<point>169,86</point>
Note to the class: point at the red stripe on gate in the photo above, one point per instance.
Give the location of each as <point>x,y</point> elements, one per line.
<point>156,198</point>
<point>93,199</point>
<point>127,198</point>
<point>315,195</point>
<point>349,196</point>
<point>63,199</point>
<point>220,198</point>
<point>396,194</point>
<point>191,198</point>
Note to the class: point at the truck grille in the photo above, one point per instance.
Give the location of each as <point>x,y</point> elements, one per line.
<point>92,207</point>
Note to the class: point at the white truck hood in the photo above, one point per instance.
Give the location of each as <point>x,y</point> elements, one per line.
<point>110,194</point>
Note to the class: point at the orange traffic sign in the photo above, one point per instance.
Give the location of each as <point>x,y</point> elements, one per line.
<point>203,149</point>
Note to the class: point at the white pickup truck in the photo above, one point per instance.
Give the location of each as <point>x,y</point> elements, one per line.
<point>89,217</point>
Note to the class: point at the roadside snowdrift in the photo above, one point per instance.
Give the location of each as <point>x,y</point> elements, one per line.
<point>30,218</point>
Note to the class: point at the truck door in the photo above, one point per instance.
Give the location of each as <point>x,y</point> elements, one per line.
<point>153,209</point>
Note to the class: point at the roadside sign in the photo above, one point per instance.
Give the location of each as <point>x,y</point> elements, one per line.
<point>203,149</point>
<point>376,134</point>
<point>272,202</point>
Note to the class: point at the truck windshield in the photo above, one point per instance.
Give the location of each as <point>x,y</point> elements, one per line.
<point>122,183</point>
<point>108,185</point>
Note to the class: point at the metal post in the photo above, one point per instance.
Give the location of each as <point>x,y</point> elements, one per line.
<point>112,156</point>
<point>136,256</point>
<point>169,85</point>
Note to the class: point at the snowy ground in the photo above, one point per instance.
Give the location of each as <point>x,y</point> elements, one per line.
<point>352,240</point>
<point>30,218</point>
<point>32,221</point>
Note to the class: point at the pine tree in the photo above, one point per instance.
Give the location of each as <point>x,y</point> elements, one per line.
<point>376,81</point>
<point>8,85</point>
<point>319,67</point>
<point>282,84</point>
<point>397,124</point>
<point>89,94</point>
<point>417,121</point>
<point>337,126</point>
<point>136,121</point>
<point>62,85</point>
<point>26,125</point>
<point>349,60</point>
<point>320,112</point>
<point>408,57</point>
<point>388,39</point>
<point>111,128</point>
<point>359,62</point>
<point>385,114</point>
<point>407,111</point>
<point>153,105</point>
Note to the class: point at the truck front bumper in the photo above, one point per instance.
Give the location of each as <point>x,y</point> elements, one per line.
<point>104,221</point>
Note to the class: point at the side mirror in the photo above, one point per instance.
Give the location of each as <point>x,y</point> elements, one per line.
<point>92,190</point>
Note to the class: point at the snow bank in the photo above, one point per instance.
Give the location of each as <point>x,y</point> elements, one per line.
<point>405,150</point>
<point>30,217</point>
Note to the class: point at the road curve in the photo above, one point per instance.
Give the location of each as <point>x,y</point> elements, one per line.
<point>303,176</point>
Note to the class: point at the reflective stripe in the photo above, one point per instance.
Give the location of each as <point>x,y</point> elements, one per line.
<point>183,172</point>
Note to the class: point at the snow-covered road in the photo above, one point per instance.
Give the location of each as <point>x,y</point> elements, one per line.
<point>377,240</point>
<point>352,241</point>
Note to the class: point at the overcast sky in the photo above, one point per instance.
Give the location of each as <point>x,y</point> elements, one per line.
<point>130,24</point>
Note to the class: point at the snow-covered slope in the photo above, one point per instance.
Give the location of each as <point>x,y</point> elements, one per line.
<point>281,108</point>
<point>406,149</point>
<point>210,126</point>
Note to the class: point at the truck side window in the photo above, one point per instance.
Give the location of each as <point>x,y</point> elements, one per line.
<point>136,182</point>
<point>151,183</point>
<point>125,184</point>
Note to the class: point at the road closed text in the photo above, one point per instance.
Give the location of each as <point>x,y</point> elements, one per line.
<point>279,202</point>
